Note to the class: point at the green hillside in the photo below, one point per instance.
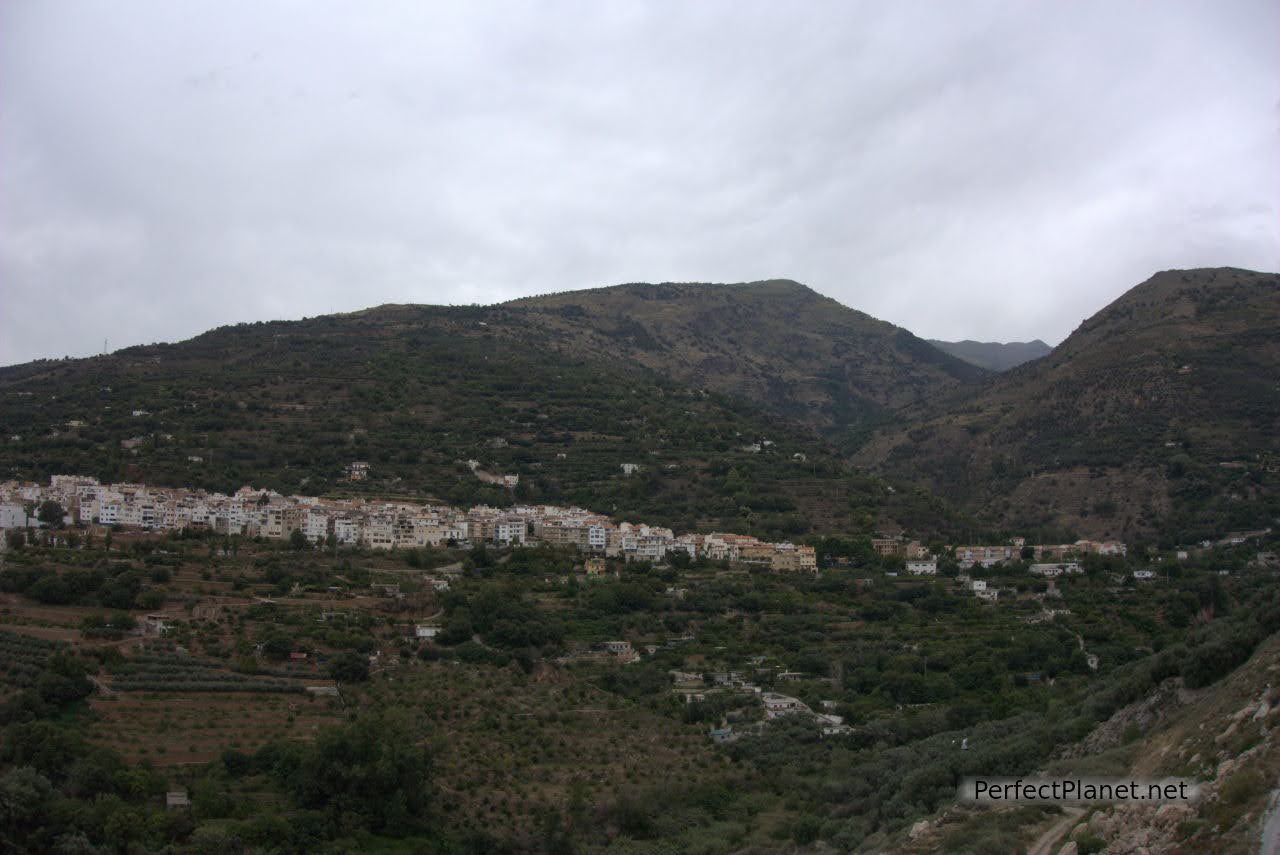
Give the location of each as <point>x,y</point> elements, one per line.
<point>418,391</point>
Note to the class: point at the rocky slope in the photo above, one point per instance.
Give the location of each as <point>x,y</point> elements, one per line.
<point>777,343</point>
<point>1159,411</point>
<point>1225,738</point>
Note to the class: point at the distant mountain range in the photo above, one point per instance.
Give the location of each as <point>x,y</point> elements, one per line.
<point>1159,412</point>
<point>993,355</point>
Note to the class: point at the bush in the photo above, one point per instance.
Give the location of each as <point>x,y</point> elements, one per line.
<point>349,667</point>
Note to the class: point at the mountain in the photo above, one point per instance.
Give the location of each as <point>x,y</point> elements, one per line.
<point>993,355</point>
<point>778,343</point>
<point>1158,415</point>
<point>690,382</point>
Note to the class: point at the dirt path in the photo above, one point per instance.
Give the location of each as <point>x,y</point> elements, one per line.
<point>1048,842</point>
<point>1271,827</point>
<point>455,567</point>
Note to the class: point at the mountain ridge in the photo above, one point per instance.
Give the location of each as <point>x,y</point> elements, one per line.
<point>994,355</point>
<point>419,390</point>
<point>778,342</point>
<point>1118,432</point>
<point>1125,423</point>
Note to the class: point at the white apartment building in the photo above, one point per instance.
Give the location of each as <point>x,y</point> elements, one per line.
<point>509,531</point>
<point>347,530</point>
<point>316,525</point>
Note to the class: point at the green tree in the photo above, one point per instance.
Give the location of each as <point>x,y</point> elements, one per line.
<point>349,667</point>
<point>372,769</point>
<point>51,514</point>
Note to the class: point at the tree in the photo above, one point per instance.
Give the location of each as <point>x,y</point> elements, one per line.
<point>24,800</point>
<point>372,769</point>
<point>349,667</point>
<point>298,540</point>
<point>51,513</point>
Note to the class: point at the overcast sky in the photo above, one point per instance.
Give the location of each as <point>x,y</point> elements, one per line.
<point>967,170</point>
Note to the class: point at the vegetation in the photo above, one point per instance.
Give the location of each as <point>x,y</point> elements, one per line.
<point>512,730</point>
<point>292,697</point>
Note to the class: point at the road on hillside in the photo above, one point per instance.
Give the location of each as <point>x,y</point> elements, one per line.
<point>455,567</point>
<point>1271,827</point>
<point>1048,842</point>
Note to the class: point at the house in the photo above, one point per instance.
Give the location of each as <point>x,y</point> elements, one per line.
<point>619,648</point>
<point>323,691</point>
<point>922,568</point>
<point>1143,575</point>
<point>425,631</point>
<point>597,538</point>
<point>987,556</point>
<point>177,800</point>
<point>776,705</point>
<point>13,515</point>
<point>887,546</point>
<point>1051,570</point>
<point>915,550</point>
<point>511,531</point>
<point>156,625</point>
<point>357,470</point>
<point>651,548</point>
<point>982,592</point>
<point>630,469</point>
<point>596,566</point>
<point>379,533</point>
<point>787,557</point>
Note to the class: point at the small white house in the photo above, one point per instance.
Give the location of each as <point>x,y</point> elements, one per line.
<point>425,631</point>
<point>1050,570</point>
<point>922,568</point>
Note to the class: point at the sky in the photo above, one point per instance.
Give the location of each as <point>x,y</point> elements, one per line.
<point>987,170</point>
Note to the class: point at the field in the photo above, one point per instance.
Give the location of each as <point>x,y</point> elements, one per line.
<point>173,728</point>
<point>511,748</point>
<point>191,658</point>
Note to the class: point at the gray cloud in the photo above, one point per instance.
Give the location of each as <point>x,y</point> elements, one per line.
<point>977,170</point>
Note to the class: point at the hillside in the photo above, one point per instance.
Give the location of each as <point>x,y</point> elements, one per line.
<point>994,355</point>
<point>1158,415</point>
<point>1222,737</point>
<point>416,391</point>
<point>778,343</point>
